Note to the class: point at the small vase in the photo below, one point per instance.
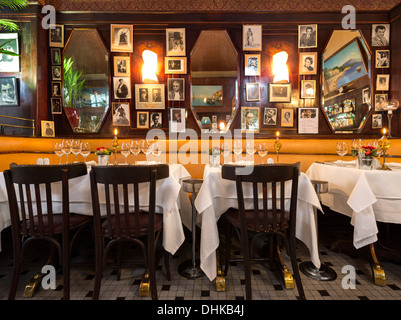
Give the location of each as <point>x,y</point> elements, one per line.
<point>365,162</point>
<point>103,160</point>
<point>214,160</point>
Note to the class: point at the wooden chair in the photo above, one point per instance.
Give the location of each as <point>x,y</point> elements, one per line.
<point>36,220</point>
<point>273,220</point>
<point>127,223</point>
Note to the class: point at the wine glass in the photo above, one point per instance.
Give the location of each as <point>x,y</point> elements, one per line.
<point>58,150</point>
<point>125,150</point>
<point>225,150</point>
<point>262,150</point>
<point>85,150</point>
<point>145,148</point>
<point>250,148</point>
<point>156,150</point>
<point>66,148</point>
<point>342,149</point>
<point>135,148</point>
<point>76,148</point>
<point>237,147</point>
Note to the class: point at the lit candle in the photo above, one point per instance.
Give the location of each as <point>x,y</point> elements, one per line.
<point>384,130</point>
<point>277,134</point>
<point>115,133</point>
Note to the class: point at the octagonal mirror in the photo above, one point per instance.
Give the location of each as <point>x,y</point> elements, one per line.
<point>346,81</point>
<point>214,80</point>
<point>86,80</point>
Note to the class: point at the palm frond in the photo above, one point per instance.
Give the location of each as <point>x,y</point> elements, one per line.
<point>8,24</point>
<point>13,4</point>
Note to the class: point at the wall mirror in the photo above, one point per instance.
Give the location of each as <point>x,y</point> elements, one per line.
<point>86,80</point>
<point>214,80</point>
<point>346,81</point>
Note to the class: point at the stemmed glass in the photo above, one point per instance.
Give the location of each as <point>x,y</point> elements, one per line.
<point>156,150</point>
<point>342,149</point>
<point>250,148</point>
<point>135,148</point>
<point>58,150</point>
<point>125,151</point>
<point>225,150</point>
<point>66,148</point>
<point>76,148</point>
<point>237,148</point>
<point>85,150</point>
<point>262,150</point>
<point>145,147</point>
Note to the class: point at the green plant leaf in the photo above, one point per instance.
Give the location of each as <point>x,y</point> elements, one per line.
<point>13,4</point>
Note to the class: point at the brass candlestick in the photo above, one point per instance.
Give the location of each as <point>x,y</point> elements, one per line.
<point>115,145</point>
<point>384,145</point>
<point>277,146</point>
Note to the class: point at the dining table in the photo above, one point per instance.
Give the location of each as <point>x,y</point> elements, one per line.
<point>217,195</point>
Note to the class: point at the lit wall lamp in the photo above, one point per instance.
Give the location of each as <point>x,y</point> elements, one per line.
<point>280,68</point>
<point>149,67</point>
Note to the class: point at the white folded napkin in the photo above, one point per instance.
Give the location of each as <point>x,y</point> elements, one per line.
<point>91,163</point>
<point>147,163</point>
<point>39,161</point>
<point>270,161</point>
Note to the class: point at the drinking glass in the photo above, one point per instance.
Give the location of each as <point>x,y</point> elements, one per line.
<point>125,151</point>
<point>225,150</point>
<point>135,148</point>
<point>66,148</point>
<point>342,149</point>
<point>237,148</point>
<point>156,150</point>
<point>76,148</point>
<point>145,148</point>
<point>262,150</point>
<point>58,150</point>
<point>85,150</point>
<point>250,148</point>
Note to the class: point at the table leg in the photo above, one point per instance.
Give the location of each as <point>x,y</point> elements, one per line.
<point>220,278</point>
<point>379,276</point>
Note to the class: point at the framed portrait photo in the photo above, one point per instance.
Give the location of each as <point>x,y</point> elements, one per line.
<point>122,87</point>
<point>176,89</point>
<point>382,58</point>
<point>9,43</point>
<point>307,36</point>
<point>175,65</point>
<point>252,91</point>
<point>383,82</point>
<point>280,92</point>
<point>121,114</point>
<point>308,120</point>
<point>177,120</point>
<point>250,119</point>
<point>56,89</point>
<point>149,96</point>
<point>381,101</point>
<point>252,64</point>
<point>308,89</point>
<point>270,117</point>
<point>47,128</point>
<point>56,73</point>
<point>380,35</point>
<point>155,119</point>
<point>55,56</point>
<point>142,119</point>
<point>287,117</point>
<point>377,121</point>
<point>9,92</point>
<point>122,66</point>
<point>56,36</point>
<point>366,96</point>
<point>252,37</point>
<point>175,42</point>
<point>308,63</point>
<point>56,105</point>
<point>121,38</point>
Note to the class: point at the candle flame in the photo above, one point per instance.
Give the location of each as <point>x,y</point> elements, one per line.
<point>115,132</point>
<point>277,133</point>
<point>384,131</point>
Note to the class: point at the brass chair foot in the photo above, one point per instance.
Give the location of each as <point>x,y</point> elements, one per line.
<point>144,288</point>
<point>220,281</point>
<point>33,285</point>
<point>379,276</point>
<point>286,273</point>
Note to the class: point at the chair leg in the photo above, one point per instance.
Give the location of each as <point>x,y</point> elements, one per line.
<point>16,270</point>
<point>98,268</point>
<point>152,272</point>
<point>228,233</point>
<point>167,264</point>
<point>247,266</point>
<point>119,260</point>
<point>295,269</point>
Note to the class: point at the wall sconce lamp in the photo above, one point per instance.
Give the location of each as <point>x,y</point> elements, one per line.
<point>280,68</point>
<point>149,67</point>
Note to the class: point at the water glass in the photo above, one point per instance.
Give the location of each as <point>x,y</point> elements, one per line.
<point>237,147</point>
<point>58,150</point>
<point>76,148</point>
<point>85,150</point>
<point>262,150</point>
<point>135,148</point>
<point>156,150</point>
<point>66,148</point>
<point>125,151</point>
<point>145,148</point>
<point>342,149</point>
<point>225,150</point>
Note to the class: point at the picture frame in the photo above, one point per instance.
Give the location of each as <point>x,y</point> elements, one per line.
<point>382,58</point>
<point>9,90</point>
<point>377,120</point>
<point>122,66</point>
<point>142,120</point>
<point>252,90</point>
<point>308,120</point>
<point>149,96</point>
<point>287,117</point>
<point>121,38</point>
<point>177,121</point>
<point>56,105</point>
<point>383,82</point>
<point>308,63</point>
<point>307,36</point>
<point>122,87</point>
<point>55,54</point>
<point>270,117</point>
<point>207,96</point>
<point>250,118</point>
<point>9,63</point>
<point>56,73</point>
<point>308,89</point>
<point>366,96</point>
<point>155,119</point>
<point>47,128</point>
<point>380,101</point>
<point>175,65</point>
<point>175,42</point>
<point>251,37</point>
<point>56,36</point>
<point>121,114</point>
<point>252,64</point>
<point>280,92</point>
<point>380,35</point>
<point>56,88</point>
<point>176,89</point>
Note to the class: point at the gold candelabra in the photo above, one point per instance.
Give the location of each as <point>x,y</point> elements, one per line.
<point>277,144</point>
<point>115,145</point>
<point>384,145</point>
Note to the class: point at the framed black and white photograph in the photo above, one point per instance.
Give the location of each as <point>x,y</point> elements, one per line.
<point>175,65</point>
<point>9,92</point>
<point>177,121</point>
<point>366,96</point>
<point>381,101</point>
<point>382,58</point>
<point>377,121</point>
<point>47,128</point>
<point>55,54</point>
<point>121,114</point>
<point>380,35</point>
<point>122,87</point>
<point>250,117</point>
<point>155,120</point>
<point>9,43</point>
<point>176,89</point>
<point>252,37</point>
<point>121,38</point>
<point>56,89</point>
<point>175,42</point>
<point>287,117</point>
<point>270,116</point>
<point>308,89</point>
<point>56,105</point>
<point>56,36</point>
<point>142,119</point>
<point>252,64</point>
<point>252,91</point>
<point>308,120</point>
<point>383,82</point>
<point>149,96</point>
<point>280,92</point>
<point>122,66</point>
<point>56,73</point>
<point>307,63</point>
<point>307,36</point>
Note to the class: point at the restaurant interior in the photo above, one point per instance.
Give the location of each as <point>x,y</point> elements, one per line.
<point>277,119</point>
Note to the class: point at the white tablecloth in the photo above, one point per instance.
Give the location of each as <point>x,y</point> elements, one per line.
<point>170,200</point>
<point>217,195</point>
<point>366,196</point>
